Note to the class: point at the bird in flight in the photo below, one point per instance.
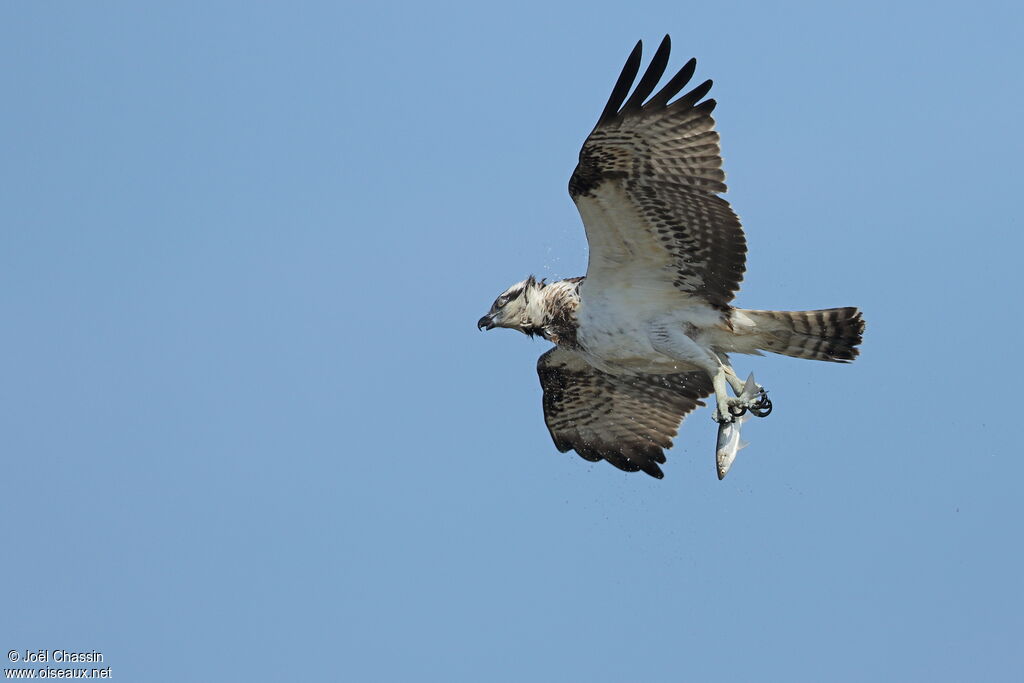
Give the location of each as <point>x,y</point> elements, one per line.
<point>647,333</point>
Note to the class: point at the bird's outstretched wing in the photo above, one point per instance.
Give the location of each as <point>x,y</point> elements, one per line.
<point>626,420</point>
<point>646,187</point>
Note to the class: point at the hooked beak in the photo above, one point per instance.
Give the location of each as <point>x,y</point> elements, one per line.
<point>485,323</point>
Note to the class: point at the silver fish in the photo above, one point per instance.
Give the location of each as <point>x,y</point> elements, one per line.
<point>729,443</point>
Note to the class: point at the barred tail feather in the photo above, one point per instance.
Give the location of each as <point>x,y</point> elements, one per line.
<point>832,334</point>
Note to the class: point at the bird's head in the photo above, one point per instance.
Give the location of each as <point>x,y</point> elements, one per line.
<point>520,307</point>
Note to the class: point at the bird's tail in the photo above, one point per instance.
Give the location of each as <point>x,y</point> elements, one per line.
<point>831,334</point>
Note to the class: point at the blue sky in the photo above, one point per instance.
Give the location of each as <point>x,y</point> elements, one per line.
<point>250,431</point>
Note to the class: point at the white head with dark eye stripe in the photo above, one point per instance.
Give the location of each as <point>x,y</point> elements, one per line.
<point>520,307</point>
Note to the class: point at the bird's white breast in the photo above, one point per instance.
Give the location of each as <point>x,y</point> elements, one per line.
<point>615,328</point>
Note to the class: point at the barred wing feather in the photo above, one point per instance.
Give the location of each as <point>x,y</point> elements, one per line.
<point>627,420</point>
<point>646,186</point>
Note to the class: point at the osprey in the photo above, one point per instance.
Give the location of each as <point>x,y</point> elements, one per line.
<point>646,334</point>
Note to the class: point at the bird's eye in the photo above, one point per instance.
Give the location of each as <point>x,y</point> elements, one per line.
<point>502,300</point>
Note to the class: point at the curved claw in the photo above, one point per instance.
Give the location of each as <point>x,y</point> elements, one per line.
<point>763,407</point>
<point>737,410</point>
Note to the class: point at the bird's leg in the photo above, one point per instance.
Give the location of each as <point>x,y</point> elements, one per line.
<point>674,342</point>
<point>749,395</point>
<point>724,402</point>
<point>734,381</point>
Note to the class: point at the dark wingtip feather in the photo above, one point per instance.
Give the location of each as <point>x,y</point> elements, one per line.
<point>675,84</point>
<point>707,106</point>
<point>653,470</point>
<point>692,97</point>
<point>650,79</point>
<point>622,85</point>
